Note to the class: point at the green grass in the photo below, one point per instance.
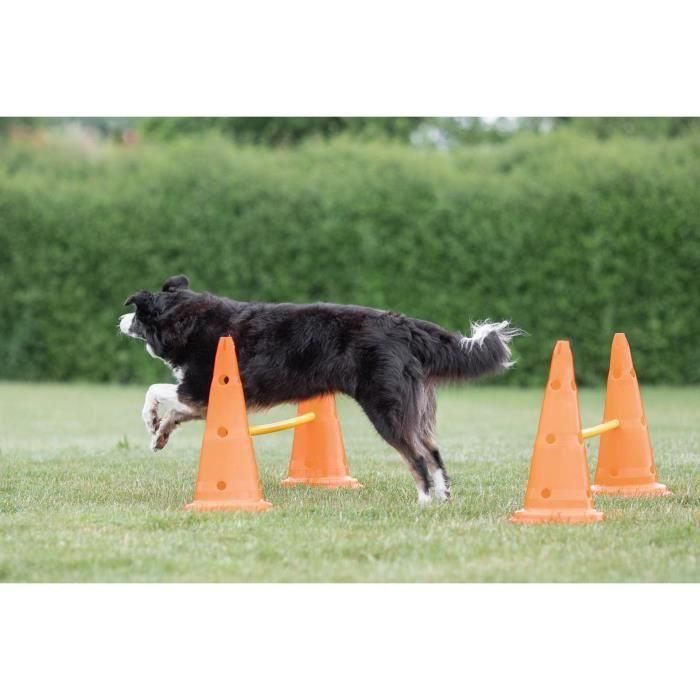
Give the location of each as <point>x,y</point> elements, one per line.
<point>82,499</point>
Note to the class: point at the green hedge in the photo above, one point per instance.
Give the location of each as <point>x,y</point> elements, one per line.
<point>568,236</point>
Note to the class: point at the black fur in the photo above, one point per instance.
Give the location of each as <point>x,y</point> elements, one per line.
<point>387,362</point>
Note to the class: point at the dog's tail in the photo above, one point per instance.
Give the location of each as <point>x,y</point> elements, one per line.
<point>453,356</point>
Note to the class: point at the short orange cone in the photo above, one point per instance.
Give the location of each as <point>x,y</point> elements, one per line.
<point>228,473</point>
<point>318,453</point>
<point>625,461</point>
<point>558,489</point>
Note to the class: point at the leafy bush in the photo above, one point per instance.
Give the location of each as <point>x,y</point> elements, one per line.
<point>567,235</point>
<point>281,131</point>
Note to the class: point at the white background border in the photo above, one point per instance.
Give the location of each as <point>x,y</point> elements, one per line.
<point>349,641</point>
<point>526,58</point>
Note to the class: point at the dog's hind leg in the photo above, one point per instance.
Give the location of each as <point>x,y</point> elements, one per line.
<point>393,416</point>
<point>418,465</point>
<point>441,480</point>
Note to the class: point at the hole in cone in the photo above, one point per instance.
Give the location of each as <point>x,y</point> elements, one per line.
<point>551,438</point>
<point>224,379</point>
<point>556,385</point>
<point>644,420</point>
<point>222,432</point>
<point>613,472</point>
<point>573,385</point>
<point>617,373</point>
<point>546,493</point>
<point>221,485</point>
<point>632,373</point>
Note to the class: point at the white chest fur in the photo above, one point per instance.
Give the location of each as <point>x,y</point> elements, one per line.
<point>178,373</point>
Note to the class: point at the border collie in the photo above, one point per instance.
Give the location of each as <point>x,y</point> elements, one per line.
<point>389,363</point>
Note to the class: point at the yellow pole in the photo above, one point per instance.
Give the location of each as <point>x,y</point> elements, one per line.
<point>281,425</point>
<point>600,429</point>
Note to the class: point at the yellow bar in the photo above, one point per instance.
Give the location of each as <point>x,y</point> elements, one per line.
<point>281,425</point>
<point>599,429</point>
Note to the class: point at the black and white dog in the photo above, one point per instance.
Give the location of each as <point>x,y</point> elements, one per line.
<point>389,363</point>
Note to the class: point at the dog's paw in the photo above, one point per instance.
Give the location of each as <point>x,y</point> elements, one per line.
<point>159,441</point>
<point>441,487</point>
<point>151,421</point>
<point>424,499</point>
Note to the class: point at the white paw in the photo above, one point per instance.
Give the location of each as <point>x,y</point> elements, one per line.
<point>423,498</point>
<point>159,441</point>
<point>151,421</point>
<point>440,487</point>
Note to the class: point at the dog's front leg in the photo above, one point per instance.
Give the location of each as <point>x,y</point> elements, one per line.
<point>156,394</point>
<point>174,417</point>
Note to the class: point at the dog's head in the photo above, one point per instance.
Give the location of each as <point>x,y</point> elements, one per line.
<point>164,320</point>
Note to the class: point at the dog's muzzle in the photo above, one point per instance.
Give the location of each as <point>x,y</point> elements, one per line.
<point>125,322</point>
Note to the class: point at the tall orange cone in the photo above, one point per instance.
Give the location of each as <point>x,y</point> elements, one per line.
<point>625,461</point>
<point>318,453</point>
<point>558,489</point>
<point>228,473</point>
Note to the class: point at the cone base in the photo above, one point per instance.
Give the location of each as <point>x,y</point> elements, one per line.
<point>566,516</point>
<point>641,490</point>
<point>207,506</point>
<point>324,482</point>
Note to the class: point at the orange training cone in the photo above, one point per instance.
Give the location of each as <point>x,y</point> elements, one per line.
<point>318,454</point>
<point>625,460</point>
<point>228,474</point>
<point>558,489</point>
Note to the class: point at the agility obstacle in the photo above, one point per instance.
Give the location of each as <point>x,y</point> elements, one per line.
<point>318,453</point>
<point>228,476</point>
<point>626,465</point>
<point>558,488</point>
<point>268,428</point>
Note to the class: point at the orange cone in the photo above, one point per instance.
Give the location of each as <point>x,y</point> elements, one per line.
<point>318,454</point>
<point>558,489</point>
<point>228,473</point>
<point>625,461</point>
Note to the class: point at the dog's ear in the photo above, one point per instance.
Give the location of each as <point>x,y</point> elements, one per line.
<point>172,284</point>
<point>143,301</point>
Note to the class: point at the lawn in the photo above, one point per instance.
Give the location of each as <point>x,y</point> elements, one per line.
<point>83,499</point>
